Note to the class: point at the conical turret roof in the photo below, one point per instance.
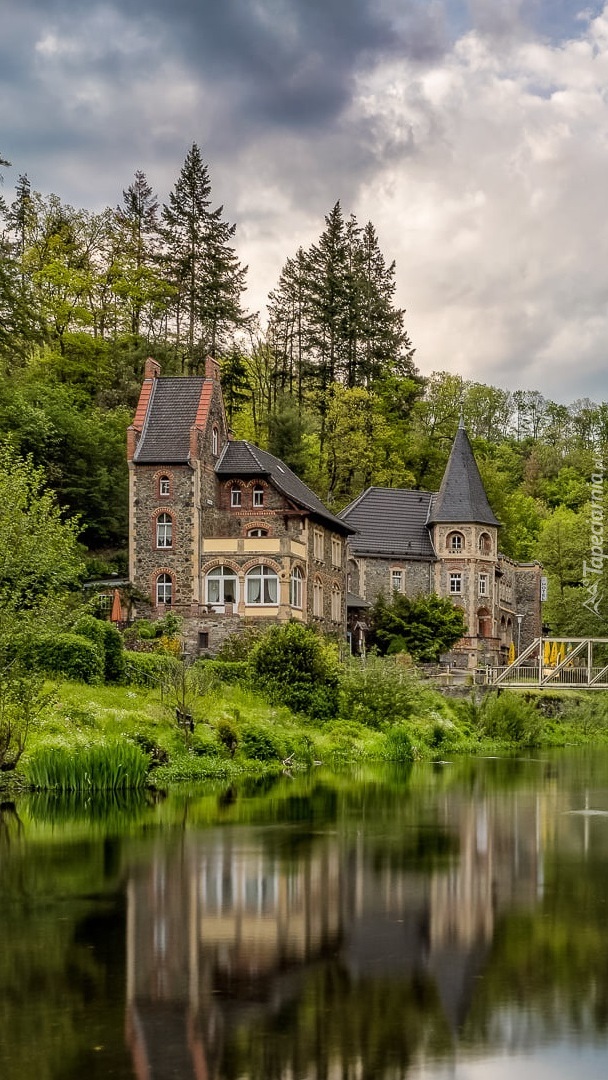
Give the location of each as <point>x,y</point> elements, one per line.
<point>462,498</point>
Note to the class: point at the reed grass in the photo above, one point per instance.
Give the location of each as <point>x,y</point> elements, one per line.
<point>112,766</point>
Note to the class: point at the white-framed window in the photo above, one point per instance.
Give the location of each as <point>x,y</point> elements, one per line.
<point>164,531</point>
<point>104,601</point>
<point>214,441</point>
<point>455,542</point>
<point>455,583</point>
<point>257,532</point>
<point>484,584</point>
<point>222,586</point>
<point>336,551</point>
<point>336,603</point>
<point>262,586</point>
<point>295,587</point>
<point>258,496</point>
<point>164,589</point>
<point>317,544</point>
<point>317,598</point>
<point>397,580</point>
<point>164,486</point>
<point>236,496</point>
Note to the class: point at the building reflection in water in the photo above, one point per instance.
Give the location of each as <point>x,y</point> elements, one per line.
<point>221,925</point>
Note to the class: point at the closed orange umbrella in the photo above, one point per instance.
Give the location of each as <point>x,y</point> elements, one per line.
<point>116,614</point>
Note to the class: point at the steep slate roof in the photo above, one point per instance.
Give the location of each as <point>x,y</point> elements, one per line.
<point>462,498</point>
<point>391,521</point>
<point>240,458</point>
<point>172,412</point>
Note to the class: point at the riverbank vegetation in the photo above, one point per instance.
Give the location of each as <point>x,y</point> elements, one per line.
<point>220,720</point>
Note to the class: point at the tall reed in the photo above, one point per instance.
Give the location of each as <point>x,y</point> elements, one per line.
<point>109,767</point>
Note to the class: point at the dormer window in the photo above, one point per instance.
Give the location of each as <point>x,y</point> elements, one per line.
<point>235,496</point>
<point>214,442</point>
<point>455,543</point>
<point>258,495</point>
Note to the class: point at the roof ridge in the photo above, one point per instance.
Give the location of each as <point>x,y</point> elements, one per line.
<point>252,448</point>
<point>144,428</point>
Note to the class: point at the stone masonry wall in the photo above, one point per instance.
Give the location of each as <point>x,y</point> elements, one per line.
<point>149,560</point>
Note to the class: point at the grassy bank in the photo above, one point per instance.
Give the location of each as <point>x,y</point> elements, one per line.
<point>119,737</point>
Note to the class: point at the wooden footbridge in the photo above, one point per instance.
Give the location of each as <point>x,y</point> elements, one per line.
<point>549,663</point>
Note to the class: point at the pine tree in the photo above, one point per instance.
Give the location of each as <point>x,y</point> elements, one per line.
<point>137,234</point>
<point>203,266</point>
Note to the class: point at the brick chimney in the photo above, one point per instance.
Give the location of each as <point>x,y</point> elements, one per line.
<point>151,369</point>
<point>212,369</point>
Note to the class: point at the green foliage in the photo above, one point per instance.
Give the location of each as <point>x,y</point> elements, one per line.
<point>258,740</point>
<point>109,641</point>
<point>227,671</point>
<point>509,717</point>
<point>68,655</point>
<point>293,666</point>
<point>399,745</point>
<point>379,691</point>
<point>108,767</point>
<point>424,627</point>
<point>23,701</point>
<point>146,669</point>
<point>237,646</point>
<point>227,733</point>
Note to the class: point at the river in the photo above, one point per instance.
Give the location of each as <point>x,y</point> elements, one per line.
<point>445,921</point>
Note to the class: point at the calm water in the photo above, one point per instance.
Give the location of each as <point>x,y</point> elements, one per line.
<point>447,922</point>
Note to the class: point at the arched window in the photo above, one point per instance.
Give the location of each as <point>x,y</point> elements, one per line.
<point>317,598</point>
<point>164,589</point>
<point>222,586</point>
<point>295,587</point>
<point>485,544</point>
<point>257,532</point>
<point>214,442</point>
<point>236,496</point>
<point>262,586</point>
<point>258,495</point>
<point>164,531</point>
<point>336,603</point>
<point>455,542</point>
<point>164,486</point>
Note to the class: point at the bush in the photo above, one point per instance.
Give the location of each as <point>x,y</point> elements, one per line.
<point>238,646</point>
<point>109,641</point>
<point>70,655</point>
<point>293,666</point>
<point>228,735</point>
<point>227,671</point>
<point>378,691</point>
<point>399,745</point>
<point>507,716</point>
<point>147,669</point>
<point>261,742</point>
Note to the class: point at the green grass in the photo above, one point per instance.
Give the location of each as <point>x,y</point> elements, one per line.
<point>112,766</point>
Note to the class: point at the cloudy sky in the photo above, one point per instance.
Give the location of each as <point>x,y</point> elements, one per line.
<point>473,133</point>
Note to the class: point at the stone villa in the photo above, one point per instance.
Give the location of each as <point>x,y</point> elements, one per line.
<point>227,535</point>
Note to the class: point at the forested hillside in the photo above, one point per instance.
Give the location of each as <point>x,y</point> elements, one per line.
<point>329,383</point>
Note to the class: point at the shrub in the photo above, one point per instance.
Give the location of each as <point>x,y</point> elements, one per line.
<point>238,646</point>
<point>399,745</point>
<point>228,734</point>
<point>293,666</point>
<point>259,741</point>
<point>109,641</point>
<point>146,669</point>
<point>226,671</point>
<point>379,691</point>
<point>508,716</point>
<point>70,655</point>
<point>204,743</point>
